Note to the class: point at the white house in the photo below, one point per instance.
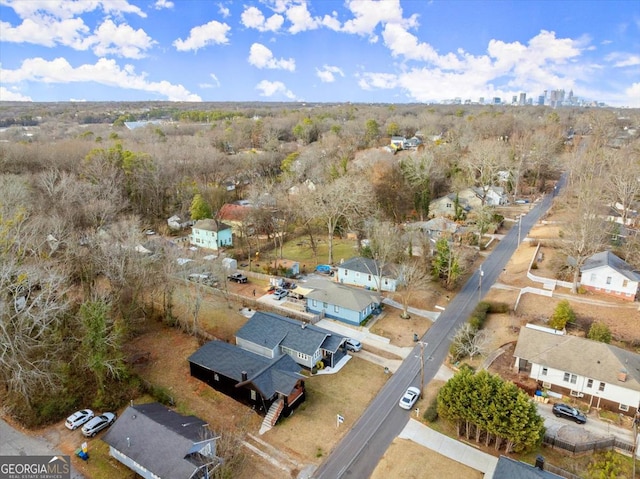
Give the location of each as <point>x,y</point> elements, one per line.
<point>210,234</point>
<point>605,272</point>
<point>493,195</point>
<point>599,374</point>
<point>364,272</point>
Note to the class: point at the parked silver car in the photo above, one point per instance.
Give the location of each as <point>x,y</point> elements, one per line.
<point>98,423</point>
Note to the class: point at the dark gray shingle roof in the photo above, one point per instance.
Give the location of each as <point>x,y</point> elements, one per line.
<point>508,468</point>
<point>158,438</point>
<point>366,266</point>
<point>268,375</point>
<point>272,330</point>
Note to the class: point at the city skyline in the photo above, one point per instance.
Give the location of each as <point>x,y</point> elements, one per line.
<point>360,51</point>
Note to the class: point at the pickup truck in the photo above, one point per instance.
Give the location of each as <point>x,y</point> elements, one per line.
<point>237,277</point>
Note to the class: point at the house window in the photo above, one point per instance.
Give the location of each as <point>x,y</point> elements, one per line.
<point>625,283</point>
<point>601,387</point>
<point>336,308</point>
<point>216,377</point>
<point>346,273</point>
<point>592,277</point>
<point>589,383</point>
<point>314,303</point>
<point>608,279</point>
<point>303,356</point>
<point>325,305</point>
<point>570,378</point>
<point>253,395</point>
<point>545,371</point>
<point>369,278</point>
<point>448,205</point>
<point>623,407</point>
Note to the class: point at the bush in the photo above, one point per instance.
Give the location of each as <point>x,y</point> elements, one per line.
<point>431,413</point>
<point>562,315</point>
<point>498,308</point>
<point>599,332</point>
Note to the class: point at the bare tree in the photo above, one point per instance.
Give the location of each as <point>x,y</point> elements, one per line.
<point>346,201</point>
<point>387,247</point>
<point>486,158</point>
<point>412,278</point>
<point>623,179</point>
<point>470,342</point>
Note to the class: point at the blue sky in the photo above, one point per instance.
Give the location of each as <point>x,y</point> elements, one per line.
<point>387,51</point>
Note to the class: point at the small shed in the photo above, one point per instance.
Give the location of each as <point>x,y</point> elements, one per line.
<point>229,264</point>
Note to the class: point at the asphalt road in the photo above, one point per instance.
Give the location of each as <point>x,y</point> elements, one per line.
<point>16,443</point>
<point>357,455</point>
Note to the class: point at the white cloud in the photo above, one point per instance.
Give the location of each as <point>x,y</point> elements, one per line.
<point>213,32</point>
<point>621,60</point>
<point>261,57</point>
<point>47,31</point>
<point>327,74</point>
<point>224,11</point>
<point>162,4</point>
<point>8,95</point>
<point>121,40</point>
<point>269,89</point>
<point>69,9</point>
<point>253,18</point>
<point>369,14</point>
<point>300,18</point>
<point>104,72</point>
<point>633,93</point>
<point>215,84</point>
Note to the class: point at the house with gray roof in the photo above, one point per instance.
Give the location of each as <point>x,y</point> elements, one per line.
<point>604,272</point>
<point>367,273</point>
<point>598,374</point>
<point>248,377</point>
<point>158,443</point>
<point>340,302</point>
<point>271,336</point>
<point>508,468</point>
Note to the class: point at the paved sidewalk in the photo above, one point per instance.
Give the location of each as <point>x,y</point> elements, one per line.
<point>432,315</point>
<point>469,456</point>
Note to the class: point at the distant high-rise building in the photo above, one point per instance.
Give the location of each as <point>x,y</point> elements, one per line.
<point>523,99</point>
<point>481,100</point>
<point>541,100</point>
<point>496,100</point>
<point>514,100</point>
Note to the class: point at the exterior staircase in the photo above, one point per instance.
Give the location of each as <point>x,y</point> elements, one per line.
<point>272,416</point>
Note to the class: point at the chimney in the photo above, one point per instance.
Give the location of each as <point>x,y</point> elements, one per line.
<point>243,375</point>
<point>540,463</point>
<point>622,375</point>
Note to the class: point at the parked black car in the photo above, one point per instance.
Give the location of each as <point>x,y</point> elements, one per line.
<point>569,412</point>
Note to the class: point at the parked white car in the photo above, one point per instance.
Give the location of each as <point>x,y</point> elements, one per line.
<point>410,397</point>
<point>78,418</point>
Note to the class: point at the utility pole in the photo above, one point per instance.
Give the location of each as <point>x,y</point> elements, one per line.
<point>423,345</point>
<point>519,227</point>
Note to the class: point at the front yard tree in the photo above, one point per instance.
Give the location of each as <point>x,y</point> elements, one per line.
<point>412,278</point>
<point>562,315</point>
<point>387,247</point>
<point>490,410</point>
<point>446,263</point>
<point>468,341</point>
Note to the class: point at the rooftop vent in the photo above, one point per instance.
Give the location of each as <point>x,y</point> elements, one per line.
<point>622,375</point>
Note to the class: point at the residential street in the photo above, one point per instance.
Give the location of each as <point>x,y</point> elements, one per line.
<point>16,443</point>
<point>360,450</point>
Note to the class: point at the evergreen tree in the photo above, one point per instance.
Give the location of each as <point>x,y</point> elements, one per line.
<point>200,209</point>
<point>562,315</point>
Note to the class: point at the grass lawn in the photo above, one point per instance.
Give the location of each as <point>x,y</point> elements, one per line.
<point>312,432</point>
